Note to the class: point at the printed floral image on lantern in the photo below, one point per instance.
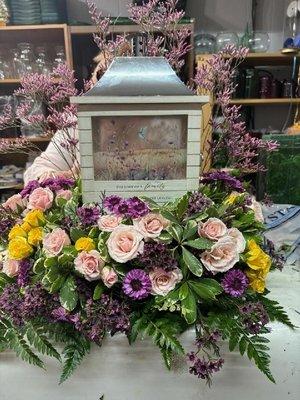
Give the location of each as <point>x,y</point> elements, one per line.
<point>139,148</point>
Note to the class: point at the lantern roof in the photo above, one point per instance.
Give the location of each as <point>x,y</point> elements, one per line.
<point>139,76</point>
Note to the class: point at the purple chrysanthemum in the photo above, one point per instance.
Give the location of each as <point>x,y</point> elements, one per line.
<point>235,282</point>
<point>112,202</point>
<point>88,215</point>
<point>29,188</point>
<point>137,208</point>
<point>137,284</point>
<point>228,180</point>
<point>58,183</point>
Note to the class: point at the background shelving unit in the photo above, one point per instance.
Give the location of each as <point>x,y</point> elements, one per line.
<point>80,49</point>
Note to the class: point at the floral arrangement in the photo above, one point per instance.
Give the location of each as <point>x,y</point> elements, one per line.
<point>74,273</point>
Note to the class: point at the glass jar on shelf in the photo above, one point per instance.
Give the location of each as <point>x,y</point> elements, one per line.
<point>205,43</point>
<point>26,58</point>
<point>258,42</point>
<point>4,67</point>
<point>42,65</point>
<point>60,56</point>
<point>226,38</point>
<point>15,63</point>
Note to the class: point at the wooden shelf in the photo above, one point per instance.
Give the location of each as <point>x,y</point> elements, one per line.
<point>13,81</point>
<point>261,59</point>
<point>252,102</point>
<point>18,186</point>
<point>38,139</point>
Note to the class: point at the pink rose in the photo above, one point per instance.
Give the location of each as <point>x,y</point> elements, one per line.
<point>14,202</point>
<point>108,223</point>
<point>222,256</point>
<point>11,267</point>
<point>109,276</point>
<point>54,242</point>
<point>239,239</point>
<point>41,199</point>
<point>164,281</point>
<point>89,264</point>
<point>64,194</point>
<point>212,229</point>
<point>125,243</point>
<point>151,225</point>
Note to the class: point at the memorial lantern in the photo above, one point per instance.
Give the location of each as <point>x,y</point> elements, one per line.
<point>139,132</point>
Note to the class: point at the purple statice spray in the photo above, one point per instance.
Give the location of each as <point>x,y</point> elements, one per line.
<point>137,284</point>
<point>157,255</point>
<point>198,202</point>
<point>29,188</point>
<point>88,215</point>
<point>254,317</point>
<point>58,183</point>
<point>235,283</point>
<point>24,270</point>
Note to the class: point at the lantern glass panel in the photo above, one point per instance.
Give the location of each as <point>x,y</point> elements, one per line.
<point>139,147</point>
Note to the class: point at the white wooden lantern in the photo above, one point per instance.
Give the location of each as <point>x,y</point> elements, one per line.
<point>140,132</point>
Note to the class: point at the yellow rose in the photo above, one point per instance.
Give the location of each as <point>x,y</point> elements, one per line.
<point>231,198</point>
<point>26,227</point>
<point>17,231</point>
<point>35,236</point>
<point>19,248</point>
<point>257,279</point>
<point>85,244</point>
<point>256,258</point>
<point>35,218</point>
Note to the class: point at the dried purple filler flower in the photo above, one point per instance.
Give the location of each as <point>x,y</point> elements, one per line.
<point>23,276</point>
<point>137,284</point>
<point>198,202</point>
<point>157,255</point>
<point>235,282</point>
<point>29,188</point>
<point>58,183</point>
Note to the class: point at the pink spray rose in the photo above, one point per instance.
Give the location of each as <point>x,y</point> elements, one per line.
<point>109,276</point>
<point>41,199</point>
<point>11,267</point>
<point>212,229</point>
<point>151,225</point>
<point>164,281</point>
<point>54,242</point>
<point>14,202</point>
<point>89,264</point>
<point>239,239</point>
<point>125,243</point>
<point>108,223</point>
<point>222,256</point>
<point>64,194</point>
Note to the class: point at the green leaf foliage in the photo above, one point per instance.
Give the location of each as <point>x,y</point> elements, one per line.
<point>98,291</point>
<point>68,294</point>
<point>76,234</point>
<point>4,280</point>
<point>189,307</point>
<point>206,289</point>
<point>192,262</point>
<point>275,311</point>
<point>176,231</point>
<point>190,230</point>
<point>73,354</point>
<point>37,338</point>
<point>182,206</point>
<point>199,244</point>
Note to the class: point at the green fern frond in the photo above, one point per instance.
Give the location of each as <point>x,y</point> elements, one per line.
<point>276,312</point>
<point>37,338</point>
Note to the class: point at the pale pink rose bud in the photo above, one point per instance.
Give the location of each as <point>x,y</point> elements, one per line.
<point>164,281</point>
<point>14,203</point>
<point>239,239</point>
<point>125,243</point>
<point>64,194</point>
<point>108,223</point>
<point>109,276</point>
<point>151,225</point>
<point>89,264</point>
<point>11,267</point>
<point>222,256</point>
<point>212,229</point>
<point>55,241</point>
<point>41,199</point>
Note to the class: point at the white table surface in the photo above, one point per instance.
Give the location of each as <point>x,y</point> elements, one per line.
<point>121,372</point>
